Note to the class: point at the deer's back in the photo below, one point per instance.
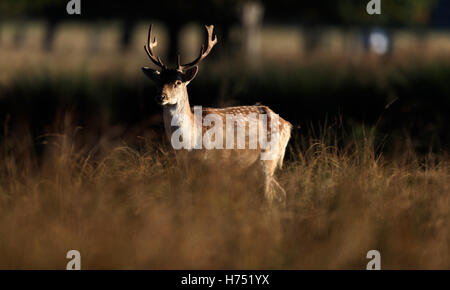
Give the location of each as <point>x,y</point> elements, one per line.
<point>246,115</point>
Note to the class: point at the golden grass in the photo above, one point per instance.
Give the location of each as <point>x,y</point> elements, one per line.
<point>131,207</point>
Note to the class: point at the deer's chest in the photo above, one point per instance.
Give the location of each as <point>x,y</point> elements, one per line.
<point>177,122</point>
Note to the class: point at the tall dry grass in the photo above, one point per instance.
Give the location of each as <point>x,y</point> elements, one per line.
<point>132,207</point>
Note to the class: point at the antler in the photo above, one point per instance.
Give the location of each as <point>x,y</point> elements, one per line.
<point>203,52</point>
<point>149,50</point>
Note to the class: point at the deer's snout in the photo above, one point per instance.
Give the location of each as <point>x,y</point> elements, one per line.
<point>160,98</point>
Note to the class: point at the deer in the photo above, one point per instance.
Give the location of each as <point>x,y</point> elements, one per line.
<point>172,95</point>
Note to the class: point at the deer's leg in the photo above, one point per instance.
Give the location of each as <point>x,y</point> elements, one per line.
<point>268,169</point>
<point>281,191</point>
<point>272,189</point>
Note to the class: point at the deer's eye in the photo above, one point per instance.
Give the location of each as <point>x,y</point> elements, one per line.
<point>177,83</point>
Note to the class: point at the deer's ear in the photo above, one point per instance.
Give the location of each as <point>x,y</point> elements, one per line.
<point>190,74</point>
<point>151,73</point>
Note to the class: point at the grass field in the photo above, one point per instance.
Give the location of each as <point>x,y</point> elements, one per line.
<point>134,208</point>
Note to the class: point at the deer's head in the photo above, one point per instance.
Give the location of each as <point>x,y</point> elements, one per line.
<point>172,83</point>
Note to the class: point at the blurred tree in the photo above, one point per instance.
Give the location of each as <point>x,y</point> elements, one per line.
<point>223,13</point>
<point>441,14</point>
<point>394,13</point>
<point>53,10</point>
<point>350,12</point>
<point>19,9</point>
<point>174,14</point>
<point>252,17</point>
<point>400,13</point>
<point>313,14</point>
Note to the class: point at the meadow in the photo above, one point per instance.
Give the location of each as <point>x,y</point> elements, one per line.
<point>134,208</point>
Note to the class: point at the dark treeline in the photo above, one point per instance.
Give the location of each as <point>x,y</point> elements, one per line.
<point>401,104</point>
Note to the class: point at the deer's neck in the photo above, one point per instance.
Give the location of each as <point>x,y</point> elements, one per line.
<point>179,117</point>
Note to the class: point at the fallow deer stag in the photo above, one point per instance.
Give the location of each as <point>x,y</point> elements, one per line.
<point>181,119</point>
